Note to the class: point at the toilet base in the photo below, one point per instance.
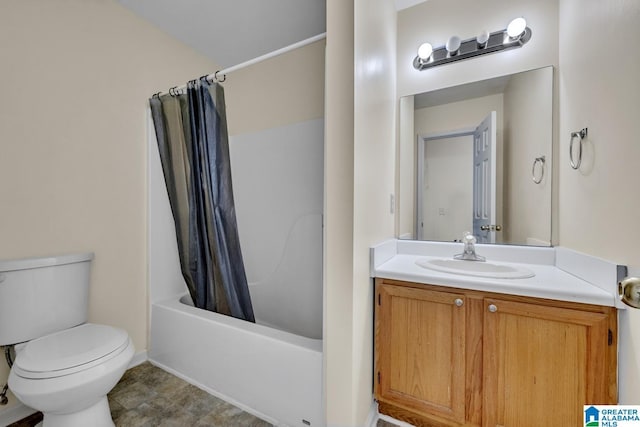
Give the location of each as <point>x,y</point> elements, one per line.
<point>97,415</point>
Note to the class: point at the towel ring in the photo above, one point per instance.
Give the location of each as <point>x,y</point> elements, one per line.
<point>541,161</point>
<point>581,136</point>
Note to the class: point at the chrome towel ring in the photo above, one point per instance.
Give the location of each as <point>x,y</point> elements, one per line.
<point>538,161</point>
<point>581,136</point>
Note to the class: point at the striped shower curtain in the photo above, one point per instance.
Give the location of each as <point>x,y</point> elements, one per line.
<point>191,129</point>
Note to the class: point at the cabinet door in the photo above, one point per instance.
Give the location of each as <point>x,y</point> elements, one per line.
<point>420,351</point>
<point>542,364</point>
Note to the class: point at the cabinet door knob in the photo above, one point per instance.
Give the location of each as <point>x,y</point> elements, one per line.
<point>493,308</point>
<point>459,302</point>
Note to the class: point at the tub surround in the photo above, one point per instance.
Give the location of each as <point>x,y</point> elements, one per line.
<point>272,374</point>
<point>560,273</point>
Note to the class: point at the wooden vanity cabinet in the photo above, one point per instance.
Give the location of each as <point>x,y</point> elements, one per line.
<point>453,357</point>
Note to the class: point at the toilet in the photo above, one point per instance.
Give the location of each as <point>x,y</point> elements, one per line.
<point>64,366</point>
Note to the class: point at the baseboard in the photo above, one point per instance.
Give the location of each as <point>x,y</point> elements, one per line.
<point>387,418</point>
<point>138,358</point>
<point>372,417</point>
<point>14,413</point>
<point>393,421</point>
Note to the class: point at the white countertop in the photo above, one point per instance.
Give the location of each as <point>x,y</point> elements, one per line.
<point>560,274</point>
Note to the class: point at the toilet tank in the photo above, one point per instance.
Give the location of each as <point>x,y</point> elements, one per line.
<point>39,296</point>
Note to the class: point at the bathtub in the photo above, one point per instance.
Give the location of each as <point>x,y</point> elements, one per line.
<point>272,369</point>
<point>273,374</point>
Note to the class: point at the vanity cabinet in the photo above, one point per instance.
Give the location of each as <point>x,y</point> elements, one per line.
<point>406,339</point>
<point>454,357</point>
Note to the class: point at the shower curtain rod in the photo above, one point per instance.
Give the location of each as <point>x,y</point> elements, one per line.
<point>224,72</point>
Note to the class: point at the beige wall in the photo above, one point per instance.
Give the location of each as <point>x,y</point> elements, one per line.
<point>280,91</point>
<point>527,135</point>
<point>599,203</point>
<point>405,170</point>
<point>466,114</point>
<point>76,78</point>
<point>338,326</point>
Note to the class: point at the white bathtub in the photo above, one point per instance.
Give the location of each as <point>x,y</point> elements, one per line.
<point>273,374</point>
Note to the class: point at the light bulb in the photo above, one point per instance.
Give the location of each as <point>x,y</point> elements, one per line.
<point>453,44</point>
<point>424,51</point>
<point>516,27</point>
<point>482,38</point>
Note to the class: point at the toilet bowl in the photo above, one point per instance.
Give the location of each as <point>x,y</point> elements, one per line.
<point>67,375</point>
<point>64,366</point>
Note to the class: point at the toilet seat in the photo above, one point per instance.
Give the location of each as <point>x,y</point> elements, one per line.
<point>70,351</point>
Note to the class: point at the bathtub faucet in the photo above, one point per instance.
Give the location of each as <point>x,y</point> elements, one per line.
<point>469,251</point>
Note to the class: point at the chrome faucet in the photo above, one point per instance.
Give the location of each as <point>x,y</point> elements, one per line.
<point>469,251</point>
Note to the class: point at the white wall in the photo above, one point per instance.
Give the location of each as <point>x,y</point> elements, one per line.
<point>374,161</point>
<point>359,180</point>
<point>436,20</point>
<point>278,188</point>
<point>599,203</point>
<point>277,179</point>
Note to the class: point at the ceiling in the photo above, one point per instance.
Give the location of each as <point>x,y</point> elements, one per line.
<point>230,32</point>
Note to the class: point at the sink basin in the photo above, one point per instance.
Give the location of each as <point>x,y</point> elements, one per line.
<point>476,268</point>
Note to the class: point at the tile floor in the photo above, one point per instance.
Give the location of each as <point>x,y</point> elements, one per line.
<point>148,396</point>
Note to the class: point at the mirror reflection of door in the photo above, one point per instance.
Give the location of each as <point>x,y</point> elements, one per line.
<point>449,183</point>
<point>524,106</point>
<point>484,180</point>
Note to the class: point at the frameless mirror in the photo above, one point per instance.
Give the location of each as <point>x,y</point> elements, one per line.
<point>477,157</point>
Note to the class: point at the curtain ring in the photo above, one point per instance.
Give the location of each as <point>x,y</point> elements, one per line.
<point>172,91</point>
<point>539,160</point>
<point>215,76</point>
<point>156,95</point>
<point>206,78</point>
<point>581,136</point>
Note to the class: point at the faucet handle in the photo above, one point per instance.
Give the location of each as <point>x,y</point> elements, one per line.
<point>468,238</point>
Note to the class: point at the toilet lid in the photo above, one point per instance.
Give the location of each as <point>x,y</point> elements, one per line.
<point>69,351</point>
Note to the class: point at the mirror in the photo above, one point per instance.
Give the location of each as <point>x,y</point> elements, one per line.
<point>477,157</point>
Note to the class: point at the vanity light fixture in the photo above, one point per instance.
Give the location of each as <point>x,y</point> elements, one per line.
<point>515,35</point>
<point>424,51</point>
<point>516,28</point>
<point>482,39</point>
<point>453,45</point>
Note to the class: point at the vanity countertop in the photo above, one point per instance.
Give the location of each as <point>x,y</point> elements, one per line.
<point>560,273</point>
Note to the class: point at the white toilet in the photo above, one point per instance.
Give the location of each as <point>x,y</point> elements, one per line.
<point>64,367</point>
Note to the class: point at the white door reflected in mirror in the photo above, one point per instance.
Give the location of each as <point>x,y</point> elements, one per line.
<point>432,201</point>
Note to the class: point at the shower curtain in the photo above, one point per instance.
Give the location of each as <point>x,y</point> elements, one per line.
<point>191,130</point>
